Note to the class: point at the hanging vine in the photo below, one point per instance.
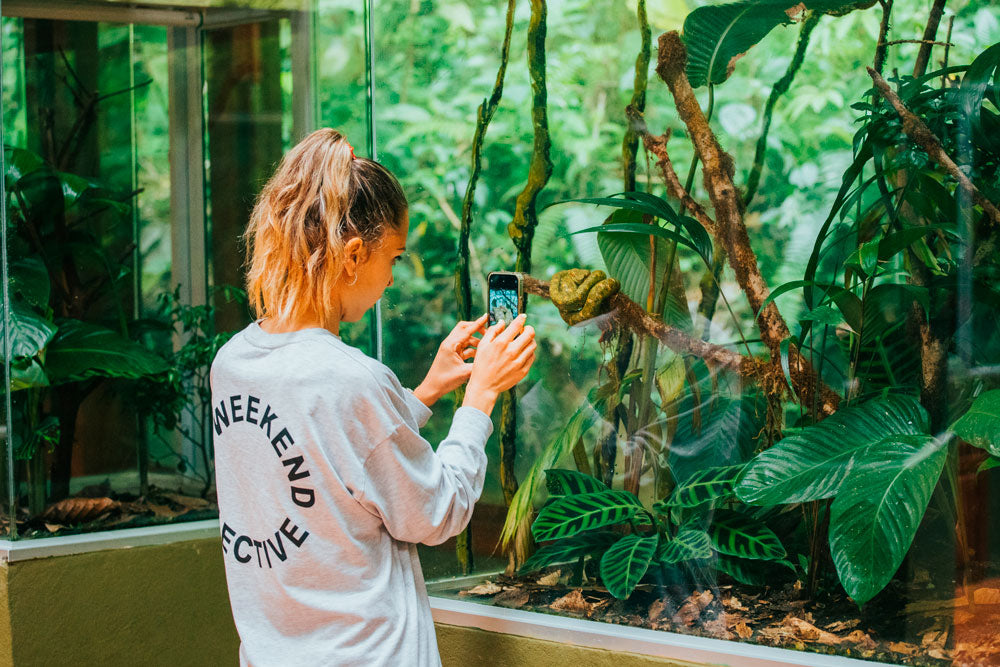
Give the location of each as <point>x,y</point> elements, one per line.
<point>522,231</point>
<point>463,282</point>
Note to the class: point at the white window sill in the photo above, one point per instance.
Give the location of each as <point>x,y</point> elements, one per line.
<point>642,641</point>
<point>125,538</point>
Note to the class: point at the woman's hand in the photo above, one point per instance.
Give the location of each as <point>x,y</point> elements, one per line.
<point>504,356</point>
<point>449,371</point>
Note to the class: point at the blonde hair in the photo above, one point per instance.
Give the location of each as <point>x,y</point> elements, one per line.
<point>319,198</point>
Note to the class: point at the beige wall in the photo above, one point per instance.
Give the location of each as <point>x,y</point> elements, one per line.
<point>167,605</point>
<point>155,605</point>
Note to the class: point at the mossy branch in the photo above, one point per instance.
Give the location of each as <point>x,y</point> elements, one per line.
<point>630,144</point>
<point>779,89</point>
<point>915,128</point>
<point>637,320</point>
<point>463,283</point>
<point>522,232</point>
<point>731,232</point>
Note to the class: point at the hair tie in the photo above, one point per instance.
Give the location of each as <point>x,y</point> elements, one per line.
<point>353,158</point>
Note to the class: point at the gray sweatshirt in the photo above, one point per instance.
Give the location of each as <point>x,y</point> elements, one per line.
<point>325,485</point>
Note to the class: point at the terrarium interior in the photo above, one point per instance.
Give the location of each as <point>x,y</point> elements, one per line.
<point>759,241</point>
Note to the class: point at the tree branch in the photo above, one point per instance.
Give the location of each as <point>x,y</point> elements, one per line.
<point>927,43</point>
<point>637,319</point>
<point>915,128</point>
<point>731,231</point>
<point>657,145</point>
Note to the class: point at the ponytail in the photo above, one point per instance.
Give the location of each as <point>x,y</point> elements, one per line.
<point>320,197</point>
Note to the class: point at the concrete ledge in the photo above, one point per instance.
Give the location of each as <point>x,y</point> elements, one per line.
<point>566,633</point>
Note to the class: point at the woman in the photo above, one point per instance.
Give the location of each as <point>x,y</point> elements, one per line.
<point>324,482</point>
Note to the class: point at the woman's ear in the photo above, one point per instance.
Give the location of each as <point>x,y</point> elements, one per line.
<point>355,252</point>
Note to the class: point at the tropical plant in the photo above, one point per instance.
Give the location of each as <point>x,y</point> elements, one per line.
<point>63,271</point>
<point>586,519</point>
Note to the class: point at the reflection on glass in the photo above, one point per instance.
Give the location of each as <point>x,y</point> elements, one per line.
<point>664,484</point>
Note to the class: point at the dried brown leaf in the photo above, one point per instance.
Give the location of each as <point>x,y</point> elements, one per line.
<point>550,579</point>
<point>986,596</point>
<point>743,630</point>
<point>904,648</point>
<point>192,502</point>
<point>861,640</point>
<point>78,510</point>
<point>486,588</point>
<point>840,626</point>
<point>515,598</point>
<point>53,527</point>
<point>164,511</point>
<point>572,602</point>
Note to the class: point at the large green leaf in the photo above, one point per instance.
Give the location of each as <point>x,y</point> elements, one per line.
<point>26,373</point>
<point>80,350</point>
<point>561,482</point>
<point>878,509</point>
<point>628,256</point>
<point>29,332</point>
<point>574,514</point>
<point>716,36</point>
<point>522,505</point>
<point>687,544</point>
<point>979,84</point>
<point>623,565</point>
<point>980,426</point>
<point>749,572</point>
<point>812,464</point>
<point>570,549</point>
<point>705,486</point>
<point>30,278</point>
<point>736,534</point>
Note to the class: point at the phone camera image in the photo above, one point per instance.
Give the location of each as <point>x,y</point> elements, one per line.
<point>503,305</point>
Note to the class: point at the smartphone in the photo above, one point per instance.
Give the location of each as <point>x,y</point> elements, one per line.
<point>505,297</point>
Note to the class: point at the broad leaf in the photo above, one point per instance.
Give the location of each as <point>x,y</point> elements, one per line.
<point>623,565</point>
<point>979,84</point>
<point>687,544</point>
<point>561,482</point>
<point>522,505</point>
<point>705,486</point>
<point>26,373</point>
<point>570,515</point>
<point>30,278</point>
<point>749,572</point>
<point>980,426</point>
<point>812,464</point>
<point>990,463</point>
<point>736,534</point>
<point>716,36</point>
<point>628,257</point>
<point>80,350</point>
<point>878,509</point>
<point>570,549</point>
<point>29,332</point>
<point>717,432</point>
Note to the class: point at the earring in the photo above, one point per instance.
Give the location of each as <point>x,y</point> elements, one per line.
<point>350,284</point>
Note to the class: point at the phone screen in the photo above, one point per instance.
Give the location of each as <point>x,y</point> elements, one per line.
<point>503,298</point>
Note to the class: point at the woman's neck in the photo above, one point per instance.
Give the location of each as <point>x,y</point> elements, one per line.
<point>306,321</point>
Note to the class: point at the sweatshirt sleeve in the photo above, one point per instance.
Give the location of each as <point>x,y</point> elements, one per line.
<point>422,495</point>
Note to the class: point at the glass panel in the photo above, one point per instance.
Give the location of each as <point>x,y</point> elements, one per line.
<point>891,324</point>
<point>133,154</point>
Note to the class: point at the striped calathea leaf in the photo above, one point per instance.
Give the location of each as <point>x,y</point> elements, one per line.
<point>687,544</point>
<point>590,543</point>
<point>570,515</point>
<point>705,486</point>
<point>736,534</point>
<point>562,482</point>
<point>624,564</point>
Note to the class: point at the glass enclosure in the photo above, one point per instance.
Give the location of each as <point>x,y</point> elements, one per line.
<point>778,423</point>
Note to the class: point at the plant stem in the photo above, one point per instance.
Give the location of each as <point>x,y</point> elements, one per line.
<point>463,282</point>
<point>522,231</point>
<point>694,159</point>
<point>630,143</point>
<point>779,89</point>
